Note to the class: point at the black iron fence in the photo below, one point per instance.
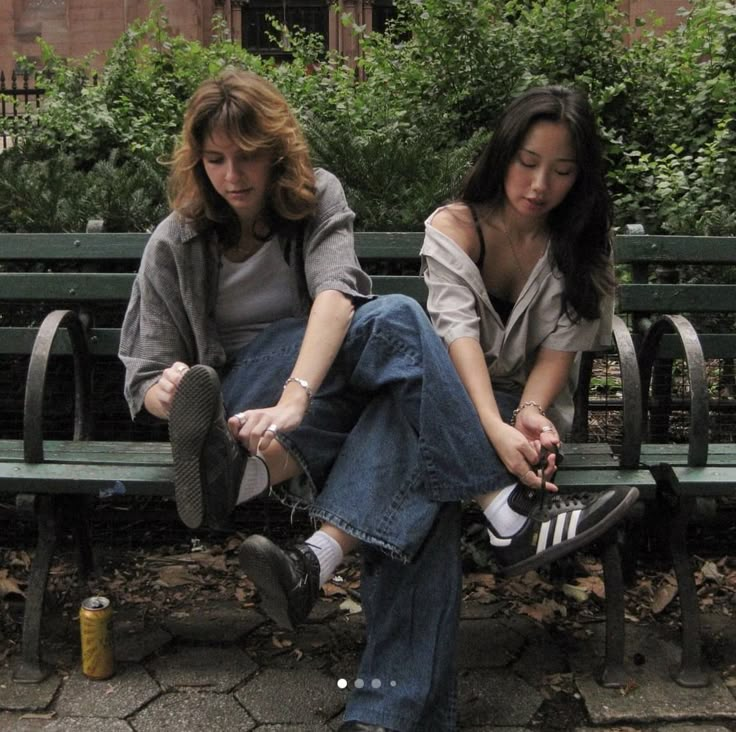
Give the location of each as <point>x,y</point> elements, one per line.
<point>18,92</point>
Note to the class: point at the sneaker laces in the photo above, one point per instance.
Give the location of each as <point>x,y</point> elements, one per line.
<point>538,503</point>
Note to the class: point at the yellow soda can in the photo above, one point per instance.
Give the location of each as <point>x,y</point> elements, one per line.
<point>95,627</point>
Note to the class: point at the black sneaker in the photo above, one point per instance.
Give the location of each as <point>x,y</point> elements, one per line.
<point>557,524</point>
<point>288,581</point>
<point>209,464</point>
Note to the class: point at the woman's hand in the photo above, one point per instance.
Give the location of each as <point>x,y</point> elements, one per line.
<point>540,430</point>
<point>160,396</point>
<point>256,428</point>
<point>521,456</point>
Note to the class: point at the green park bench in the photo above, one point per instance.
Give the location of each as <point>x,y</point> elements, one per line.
<point>83,282</point>
<point>680,297</point>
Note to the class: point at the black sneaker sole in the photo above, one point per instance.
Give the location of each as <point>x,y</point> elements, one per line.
<point>194,407</point>
<point>262,562</point>
<point>567,547</point>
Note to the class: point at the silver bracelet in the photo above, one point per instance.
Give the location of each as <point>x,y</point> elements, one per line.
<point>304,384</point>
<point>524,405</point>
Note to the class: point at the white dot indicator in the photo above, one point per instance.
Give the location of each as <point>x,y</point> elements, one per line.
<point>376,683</point>
<point>359,683</point>
<point>342,684</point>
<point>393,683</point>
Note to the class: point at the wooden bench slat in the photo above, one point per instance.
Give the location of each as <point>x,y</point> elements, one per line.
<point>715,345</point>
<point>706,481</point>
<point>88,479</point>
<point>412,286</point>
<point>16,341</point>
<point>98,452</point>
<point>67,286</point>
<point>676,298</point>
<point>659,249</point>
<point>103,246</point>
<point>129,246</point>
<point>569,481</point>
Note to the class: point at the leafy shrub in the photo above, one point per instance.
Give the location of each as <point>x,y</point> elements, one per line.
<point>401,125</point>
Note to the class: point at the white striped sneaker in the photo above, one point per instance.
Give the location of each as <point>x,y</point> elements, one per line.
<point>557,525</point>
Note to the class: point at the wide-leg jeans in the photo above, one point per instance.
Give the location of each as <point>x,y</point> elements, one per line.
<point>391,443</point>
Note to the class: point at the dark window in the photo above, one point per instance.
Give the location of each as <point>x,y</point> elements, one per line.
<point>383,11</point>
<point>310,15</point>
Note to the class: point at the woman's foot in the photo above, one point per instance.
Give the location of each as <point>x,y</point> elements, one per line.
<point>209,465</point>
<point>556,524</point>
<point>287,581</point>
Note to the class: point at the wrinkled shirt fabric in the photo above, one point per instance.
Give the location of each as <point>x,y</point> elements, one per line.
<point>171,312</point>
<point>460,307</point>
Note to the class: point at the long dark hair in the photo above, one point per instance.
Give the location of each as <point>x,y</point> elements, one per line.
<point>580,225</point>
<point>253,113</point>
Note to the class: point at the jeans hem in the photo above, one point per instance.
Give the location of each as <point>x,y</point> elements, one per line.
<point>386,547</point>
<point>400,724</point>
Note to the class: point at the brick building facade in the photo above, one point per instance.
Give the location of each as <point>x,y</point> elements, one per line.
<point>78,27</point>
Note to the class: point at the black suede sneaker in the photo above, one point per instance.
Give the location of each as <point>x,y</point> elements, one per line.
<point>209,464</point>
<point>288,581</point>
<point>557,524</point>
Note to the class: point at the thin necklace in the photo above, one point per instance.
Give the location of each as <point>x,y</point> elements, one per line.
<point>517,261</point>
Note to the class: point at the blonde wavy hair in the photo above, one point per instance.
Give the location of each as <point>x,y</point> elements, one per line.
<point>252,112</point>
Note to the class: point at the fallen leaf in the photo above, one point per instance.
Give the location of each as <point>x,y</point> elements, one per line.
<point>664,595</point>
<point>177,576</point>
<point>482,579</point>
<point>8,586</point>
<point>351,606</point>
<point>594,585</point>
<point>330,589</point>
<point>710,571</point>
<point>544,611</point>
<point>576,592</point>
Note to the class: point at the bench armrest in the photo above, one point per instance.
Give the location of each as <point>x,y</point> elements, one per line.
<point>631,388</point>
<point>36,381</point>
<point>695,361</point>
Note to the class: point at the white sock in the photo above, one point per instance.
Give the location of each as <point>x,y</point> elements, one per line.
<point>329,554</point>
<point>255,480</point>
<point>503,518</point>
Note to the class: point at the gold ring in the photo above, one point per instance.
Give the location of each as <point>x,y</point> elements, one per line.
<point>272,428</point>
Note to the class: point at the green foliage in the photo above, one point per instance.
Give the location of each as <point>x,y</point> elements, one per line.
<point>55,195</point>
<point>401,124</point>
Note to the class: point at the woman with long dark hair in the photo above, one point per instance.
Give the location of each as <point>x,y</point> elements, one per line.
<point>520,282</point>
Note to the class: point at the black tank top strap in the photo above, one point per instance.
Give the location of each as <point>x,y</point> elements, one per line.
<point>481,240</point>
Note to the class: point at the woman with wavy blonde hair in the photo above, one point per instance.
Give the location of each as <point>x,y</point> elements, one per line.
<point>251,328</point>
<point>258,118</point>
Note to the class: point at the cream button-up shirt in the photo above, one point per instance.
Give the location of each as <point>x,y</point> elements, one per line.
<point>459,306</point>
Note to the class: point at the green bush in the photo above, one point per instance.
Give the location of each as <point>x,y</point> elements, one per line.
<point>402,126</point>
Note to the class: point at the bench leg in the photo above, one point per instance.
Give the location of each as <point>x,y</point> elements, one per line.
<point>76,515</point>
<point>30,669</point>
<point>691,672</point>
<point>613,674</point>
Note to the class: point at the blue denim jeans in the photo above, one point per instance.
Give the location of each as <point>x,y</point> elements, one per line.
<point>390,445</point>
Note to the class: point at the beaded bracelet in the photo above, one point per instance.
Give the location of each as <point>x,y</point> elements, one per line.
<point>524,405</point>
<point>304,384</point>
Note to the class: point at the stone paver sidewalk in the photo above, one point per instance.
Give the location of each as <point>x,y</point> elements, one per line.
<point>229,669</point>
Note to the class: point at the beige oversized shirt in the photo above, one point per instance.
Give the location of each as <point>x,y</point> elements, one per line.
<point>460,307</point>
